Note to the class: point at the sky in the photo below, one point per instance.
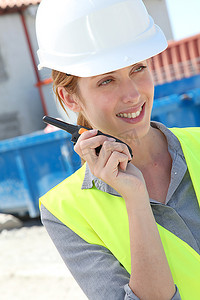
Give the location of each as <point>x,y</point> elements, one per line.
<point>185,17</point>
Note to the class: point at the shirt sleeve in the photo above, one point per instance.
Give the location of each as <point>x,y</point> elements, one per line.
<point>96,270</point>
<point>131,296</point>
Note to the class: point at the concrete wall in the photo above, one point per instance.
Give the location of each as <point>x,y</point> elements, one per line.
<point>159,12</point>
<point>44,73</point>
<point>21,111</point>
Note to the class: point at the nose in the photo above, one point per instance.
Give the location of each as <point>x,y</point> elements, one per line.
<point>129,91</point>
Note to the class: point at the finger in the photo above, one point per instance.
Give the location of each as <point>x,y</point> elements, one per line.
<point>85,135</point>
<point>94,142</point>
<point>107,148</point>
<point>121,147</point>
<point>116,146</point>
<point>87,143</point>
<point>116,161</point>
<point>103,157</point>
<point>119,161</point>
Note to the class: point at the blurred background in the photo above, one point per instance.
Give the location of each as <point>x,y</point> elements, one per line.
<point>28,169</point>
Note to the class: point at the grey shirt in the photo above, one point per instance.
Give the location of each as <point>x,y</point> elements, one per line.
<point>96,270</point>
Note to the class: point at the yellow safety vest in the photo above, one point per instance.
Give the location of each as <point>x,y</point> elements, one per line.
<point>100,218</point>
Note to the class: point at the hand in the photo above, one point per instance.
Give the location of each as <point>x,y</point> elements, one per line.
<point>111,165</point>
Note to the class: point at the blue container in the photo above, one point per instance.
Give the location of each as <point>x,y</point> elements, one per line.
<point>178,110</point>
<point>30,166</point>
<point>177,87</point>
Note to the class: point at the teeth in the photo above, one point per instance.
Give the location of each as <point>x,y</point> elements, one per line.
<point>132,115</point>
<point>137,113</point>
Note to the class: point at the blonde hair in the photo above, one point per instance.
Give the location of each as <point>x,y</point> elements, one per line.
<point>70,83</point>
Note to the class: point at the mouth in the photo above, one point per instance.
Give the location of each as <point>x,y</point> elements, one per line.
<point>132,115</point>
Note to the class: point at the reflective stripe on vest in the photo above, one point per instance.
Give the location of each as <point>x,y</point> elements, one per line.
<point>100,218</point>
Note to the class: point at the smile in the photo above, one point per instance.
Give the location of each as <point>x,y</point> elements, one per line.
<point>130,115</point>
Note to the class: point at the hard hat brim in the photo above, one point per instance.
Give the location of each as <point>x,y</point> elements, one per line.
<point>149,44</point>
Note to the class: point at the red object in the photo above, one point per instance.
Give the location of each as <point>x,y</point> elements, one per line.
<point>50,128</point>
<point>44,82</point>
<point>180,60</point>
<point>6,4</point>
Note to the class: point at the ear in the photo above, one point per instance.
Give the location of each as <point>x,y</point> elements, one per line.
<point>69,100</point>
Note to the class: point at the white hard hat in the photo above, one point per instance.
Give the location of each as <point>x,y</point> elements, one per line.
<point>91,37</point>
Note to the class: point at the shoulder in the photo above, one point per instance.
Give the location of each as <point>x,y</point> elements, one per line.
<point>190,135</point>
<point>195,131</point>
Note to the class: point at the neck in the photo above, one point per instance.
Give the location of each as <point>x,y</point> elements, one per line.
<point>149,150</point>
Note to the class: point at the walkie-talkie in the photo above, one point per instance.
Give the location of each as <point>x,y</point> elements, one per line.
<point>77,130</point>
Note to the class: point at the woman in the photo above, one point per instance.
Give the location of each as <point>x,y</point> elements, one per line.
<point>127,228</point>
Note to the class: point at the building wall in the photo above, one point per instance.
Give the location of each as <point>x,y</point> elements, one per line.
<point>21,111</point>
<point>158,10</point>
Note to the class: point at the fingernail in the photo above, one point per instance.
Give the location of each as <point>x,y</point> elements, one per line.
<point>111,139</point>
<point>93,130</point>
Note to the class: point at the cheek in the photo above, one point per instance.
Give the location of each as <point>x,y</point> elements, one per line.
<point>95,110</point>
<point>99,113</point>
<point>147,87</point>
<point>150,83</point>
<point>102,104</point>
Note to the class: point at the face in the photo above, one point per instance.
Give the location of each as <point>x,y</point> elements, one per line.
<point>119,103</point>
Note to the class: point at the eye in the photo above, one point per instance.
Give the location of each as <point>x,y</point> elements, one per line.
<point>139,69</point>
<point>105,82</point>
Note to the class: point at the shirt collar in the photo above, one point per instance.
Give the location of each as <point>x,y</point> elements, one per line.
<point>90,180</point>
